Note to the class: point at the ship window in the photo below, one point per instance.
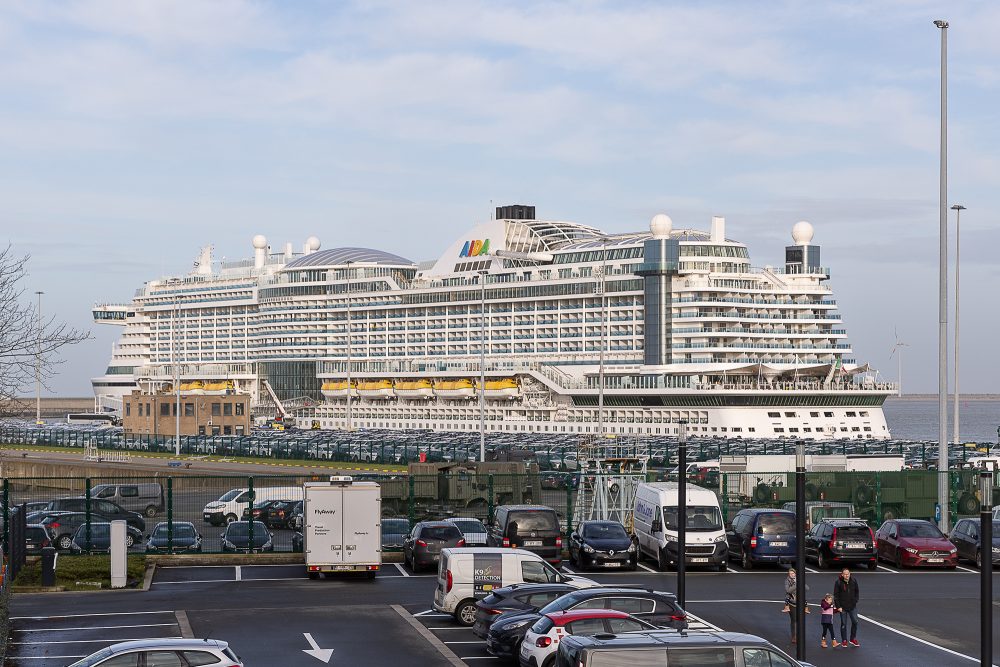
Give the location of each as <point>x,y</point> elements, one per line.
<point>793,429</point>
<point>852,414</point>
<point>863,413</point>
<point>774,415</point>
<point>789,414</point>
<point>814,414</point>
<point>752,429</point>
<point>868,428</point>
<point>779,430</point>
<point>827,414</point>
<point>807,429</point>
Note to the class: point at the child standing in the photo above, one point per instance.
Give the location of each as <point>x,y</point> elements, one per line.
<point>826,608</point>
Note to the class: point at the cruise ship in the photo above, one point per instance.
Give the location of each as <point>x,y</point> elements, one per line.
<point>531,325</point>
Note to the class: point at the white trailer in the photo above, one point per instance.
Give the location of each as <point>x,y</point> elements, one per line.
<point>342,526</point>
<point>773,469</point>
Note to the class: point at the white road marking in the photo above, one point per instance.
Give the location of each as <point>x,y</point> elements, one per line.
<point>648,569</point>
<point>195,581</point>
<point>98,627</point>
<point>93,641</point>
<point>478,641</point>
<point>239,573</point>
<point>481,657</point>
<point>888,569</point>
<point>966,569</point>
<point>454,627</point>
<point>402,570</point>
<point>568,570</point>
<point>916,639</point>
<point>48,657</point>
<point>113,613</point>
<point>809,569</point>
<point>430,612</point>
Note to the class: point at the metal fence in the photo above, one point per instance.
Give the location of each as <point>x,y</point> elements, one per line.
<point>551,451</point>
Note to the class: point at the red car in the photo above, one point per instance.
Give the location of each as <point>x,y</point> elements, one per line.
<point>914,543</point>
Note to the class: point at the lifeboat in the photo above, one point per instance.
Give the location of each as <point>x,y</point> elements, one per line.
<point>455,388</point>
<point>502,388</point>
<point>376,388</point>
<point>338,389</point>
<point>197,387</point>
<point>414,388</point>
<point>219,388</point>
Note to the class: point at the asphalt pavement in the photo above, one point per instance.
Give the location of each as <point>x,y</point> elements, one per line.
<point>274,614</point>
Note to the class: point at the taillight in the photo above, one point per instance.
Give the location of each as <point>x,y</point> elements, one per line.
<point>53,525</point>
<point>506,541</point>
<point>449,583</point>
<point>558,544</point>
<point>542,642</point>
<point>678,617</point>
<point>753,542</point>
<point>834,538</point>
<point>495,612</point>
<point>461,543</point>
<point>872,533</point>
<point>421,543</point>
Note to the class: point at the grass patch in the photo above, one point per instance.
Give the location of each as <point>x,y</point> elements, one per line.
<point>195,458</point>
<point>82,573</point>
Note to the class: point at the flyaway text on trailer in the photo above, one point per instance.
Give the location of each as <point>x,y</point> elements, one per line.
<point>342,526</point>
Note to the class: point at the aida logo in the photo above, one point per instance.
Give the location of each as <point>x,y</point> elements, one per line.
<point>475,248</point>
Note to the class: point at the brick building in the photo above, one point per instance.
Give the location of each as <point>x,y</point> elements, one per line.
<point>227,414</point>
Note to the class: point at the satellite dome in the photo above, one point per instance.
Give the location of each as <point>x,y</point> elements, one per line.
<point>259,242</point>
<point>802,232</point>
<point>313,243</point>
<point>661,225</point>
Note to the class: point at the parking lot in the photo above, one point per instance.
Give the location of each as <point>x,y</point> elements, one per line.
<point>265,612</point>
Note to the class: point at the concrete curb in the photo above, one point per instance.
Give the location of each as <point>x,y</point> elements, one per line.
<point>448,654</point>
<point>147,581</point>
<point>184,624</point>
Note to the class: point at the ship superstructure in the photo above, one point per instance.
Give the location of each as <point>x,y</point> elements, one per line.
<point>580,332</point>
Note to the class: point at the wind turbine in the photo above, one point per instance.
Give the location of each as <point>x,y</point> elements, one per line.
<point>899,359</point>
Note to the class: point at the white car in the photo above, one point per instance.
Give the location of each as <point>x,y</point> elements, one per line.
<point>541,642</point>
<point>472,529</point>
<point>195,652</point>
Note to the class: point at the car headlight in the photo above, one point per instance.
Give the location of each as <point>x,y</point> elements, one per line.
<point>513,625</point>
<point>631,548</point>
<point>911,550</point>
<point>996,550</point>
<point>227,543</point>
<point>953,550</point>
<point>589,549</point>
<point>720,538</point>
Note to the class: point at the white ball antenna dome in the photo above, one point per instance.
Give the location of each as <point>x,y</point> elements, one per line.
<point>802,233</point>
<point>313,243</point>
<point>260,242</point>
<point>661,226</point>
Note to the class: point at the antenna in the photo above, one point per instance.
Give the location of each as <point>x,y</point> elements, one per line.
<point>897,347</point>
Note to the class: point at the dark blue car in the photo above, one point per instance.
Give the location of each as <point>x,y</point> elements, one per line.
<point>602,544</point>
<point>762,536</point>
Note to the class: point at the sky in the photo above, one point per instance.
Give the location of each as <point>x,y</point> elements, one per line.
<point>133,133</point>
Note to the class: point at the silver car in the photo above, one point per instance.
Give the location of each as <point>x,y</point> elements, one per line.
<point>472,529</point>
<point>157,651</point>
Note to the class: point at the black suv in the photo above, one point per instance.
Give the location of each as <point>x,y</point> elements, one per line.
<point>968,540</point>
<point>516,598</point>
<point>531,527</point>
<point>659,647</point>
<point>834,542</point>
<point>656,607</point>
<point>105,510</point>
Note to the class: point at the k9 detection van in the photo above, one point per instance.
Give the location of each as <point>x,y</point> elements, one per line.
<point>655,525</point>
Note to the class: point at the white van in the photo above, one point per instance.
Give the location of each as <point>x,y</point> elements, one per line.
<point>655,525</point>
<point>230,506</point>
<point>467,574</point>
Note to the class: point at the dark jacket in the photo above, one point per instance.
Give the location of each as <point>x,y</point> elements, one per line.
<point>846,594</point>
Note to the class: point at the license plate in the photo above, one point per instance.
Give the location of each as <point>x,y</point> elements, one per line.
<point>699,560</point>
<point>612,565</point>
<point>935,560</point>
<point>342,568</point>
<point>779,544</point>
<point>532,543</point>
<point>856,545</point>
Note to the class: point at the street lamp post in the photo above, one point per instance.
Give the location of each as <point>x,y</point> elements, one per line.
<point>800,550</point>
<point>347,291</point>
<point>482,366</point>
<point>177,394</point>
<point>943,290</point>
<point>38,361</point>
<point>957,208</point>
<point>681,514</point>
<point>604,329</point>
<point>986,571</point>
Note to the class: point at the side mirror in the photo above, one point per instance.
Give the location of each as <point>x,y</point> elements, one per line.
<point>656,526</point>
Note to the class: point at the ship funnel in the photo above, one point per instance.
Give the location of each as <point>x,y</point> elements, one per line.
<point>718,229</point>
<point>259,251</point>
<point>203,267</point>
<point>288,251</point>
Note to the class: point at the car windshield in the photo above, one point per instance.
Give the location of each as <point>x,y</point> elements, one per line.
<point>470,526</point>
<point>920,530</point>
<point>96,530</point>
<point>605,531</point>
<point>91,660</point>
<point>442,533</point>
<point>853,533</point>
<point>776,524</point>
<point>230,496</point>
<point>534,520</point>
<point>183,531</point>
<point>699,518</point>
<point>242,529</point>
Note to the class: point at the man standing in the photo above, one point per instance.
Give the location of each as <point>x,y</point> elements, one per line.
<point>845,599</point>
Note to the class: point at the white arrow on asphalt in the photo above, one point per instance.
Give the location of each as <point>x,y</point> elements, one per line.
<point>323,654</point>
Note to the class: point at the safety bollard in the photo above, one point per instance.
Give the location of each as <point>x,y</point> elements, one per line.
<point>49,556</point>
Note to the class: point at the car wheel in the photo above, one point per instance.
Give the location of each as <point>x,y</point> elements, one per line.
<point>65,542</point>
<point>873,565</point>
<point>549,661</point>
<point>746,562</point>
<point>150,511</point>
<point>661,561</point>
<point>465,613</point>
<point>314,575</point>
<point>821,560</point>
<point>129,540</point>
<point>724,565</point>
<point>979,559</point>
<point>899,560</point>
<point>230,518</point>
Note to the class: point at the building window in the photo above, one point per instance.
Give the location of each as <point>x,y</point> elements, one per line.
<point>227,409</point>
<point>239,409</point>
<point>216,409</point>
<point>140,408</point>
<point>227,430</point>
<point>164,409</point>
<point>189,409</point>
<point>239,429</point>
<point>201,430</point>
<point>128,409</point>
<point>216,430</point>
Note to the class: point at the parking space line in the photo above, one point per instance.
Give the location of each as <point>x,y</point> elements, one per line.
<point>916,639</point>
<point>95,641</point>
<point>239,573</point>
<point>809,569</point>
<point>401,569</point>
<point>111,613</point>
<point>568,570</point>
<point>47,657</point>
<point>97,627</point>
<point>456,627</point>
<point>198,581</point>
<point>481,657</point>
<point>647,568</point>
<point>966,569</point>
<point>888,569</point>
<point>431,638</point>
<point>430,612</point>
<point>478,641</point>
